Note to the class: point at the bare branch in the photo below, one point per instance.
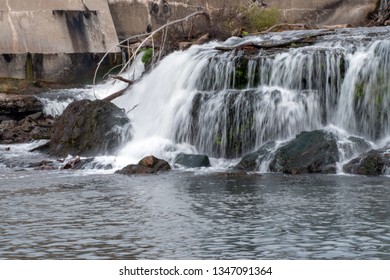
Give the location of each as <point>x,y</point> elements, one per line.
<point>147,37</point>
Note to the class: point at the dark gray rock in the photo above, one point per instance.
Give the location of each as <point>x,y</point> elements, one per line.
<point>251,161</point>
<point>32,127</point>
<point>17,106</point>
<point>89,128</point>
<point>192,160</point>
<point>355,146</point>
<point>147,165</point>
<point>310,152</point>
<point>373,163</point>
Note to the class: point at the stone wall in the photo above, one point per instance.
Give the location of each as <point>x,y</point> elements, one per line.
<point>351,12</point>
<point>137,16</point>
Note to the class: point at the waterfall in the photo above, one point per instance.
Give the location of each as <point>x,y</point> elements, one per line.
<point>383,4</point>
<point>226,104</point>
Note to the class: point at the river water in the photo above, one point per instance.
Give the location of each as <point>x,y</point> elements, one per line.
<point>192,215</point>
<point>201,101</point>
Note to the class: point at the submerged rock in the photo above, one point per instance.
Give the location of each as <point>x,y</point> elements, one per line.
<point>373,163</point>
<point>147,165</point>
<point>310,152</point>
<point>192,160</point>
<point>89,128</point>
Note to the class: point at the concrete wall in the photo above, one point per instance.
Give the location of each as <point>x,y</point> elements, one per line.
<point>44,39</point>
<point>55,26</point>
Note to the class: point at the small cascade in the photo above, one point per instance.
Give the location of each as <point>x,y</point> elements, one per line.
<point>383,4</point>
<point>55,101</point>
<point>228,103</point>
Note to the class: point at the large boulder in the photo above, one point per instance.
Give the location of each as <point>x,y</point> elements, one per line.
<point>252,161</point>
<point>192,160</point>
<point>147,165</point>
<point>89,128</point>
<point>310,152</point>
<point>373,163</point>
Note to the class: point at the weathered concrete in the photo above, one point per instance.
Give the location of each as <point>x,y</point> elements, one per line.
<point>55,26</point>
<point>54,40</point>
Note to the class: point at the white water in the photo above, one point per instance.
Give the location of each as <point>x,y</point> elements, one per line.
<point>194,102</point>
<point>56,101</point>
<point>383,4</point>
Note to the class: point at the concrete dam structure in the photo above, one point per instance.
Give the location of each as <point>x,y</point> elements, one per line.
<point>53,40</point>
<point>62,41</point>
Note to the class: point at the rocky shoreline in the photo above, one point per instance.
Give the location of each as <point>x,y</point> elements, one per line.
<point>22,119</point>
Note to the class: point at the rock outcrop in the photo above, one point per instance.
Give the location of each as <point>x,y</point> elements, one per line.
<point>22,119</point>
<point>373,163</point>
<point>89,128</point>
<point>310,152</point>
<point>18,106</point>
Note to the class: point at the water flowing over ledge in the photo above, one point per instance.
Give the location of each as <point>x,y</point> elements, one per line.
<point>228,103</point>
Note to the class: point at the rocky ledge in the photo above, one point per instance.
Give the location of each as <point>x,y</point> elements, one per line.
<point>22,119</point>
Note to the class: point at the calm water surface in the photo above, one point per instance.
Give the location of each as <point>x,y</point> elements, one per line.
<point>186,215</point>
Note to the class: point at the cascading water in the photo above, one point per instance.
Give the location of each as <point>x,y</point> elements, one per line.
<point>226,104</point>
<point>383,4</point>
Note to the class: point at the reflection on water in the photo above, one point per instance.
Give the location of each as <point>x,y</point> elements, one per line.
<point>60,215</point>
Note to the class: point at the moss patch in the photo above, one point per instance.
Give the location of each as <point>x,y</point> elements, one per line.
<point>147,56</point>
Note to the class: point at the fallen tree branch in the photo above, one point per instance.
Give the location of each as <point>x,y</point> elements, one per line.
<point>120,78</point>
<point>116,94</point>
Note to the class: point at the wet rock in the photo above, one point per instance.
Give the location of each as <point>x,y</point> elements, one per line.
<point>147,165</point>
<point>310,152</point>
<point>233,174</point>
<point>354,146</point>
<point>21,119</point>
<point>373,163</point>
<point>43,165</point>
<point>17,106</point>
<point>33,127</point>
<point>90,163</point>
<point>89,128</point>
<point>251,161</point>
<point>192,160</point>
